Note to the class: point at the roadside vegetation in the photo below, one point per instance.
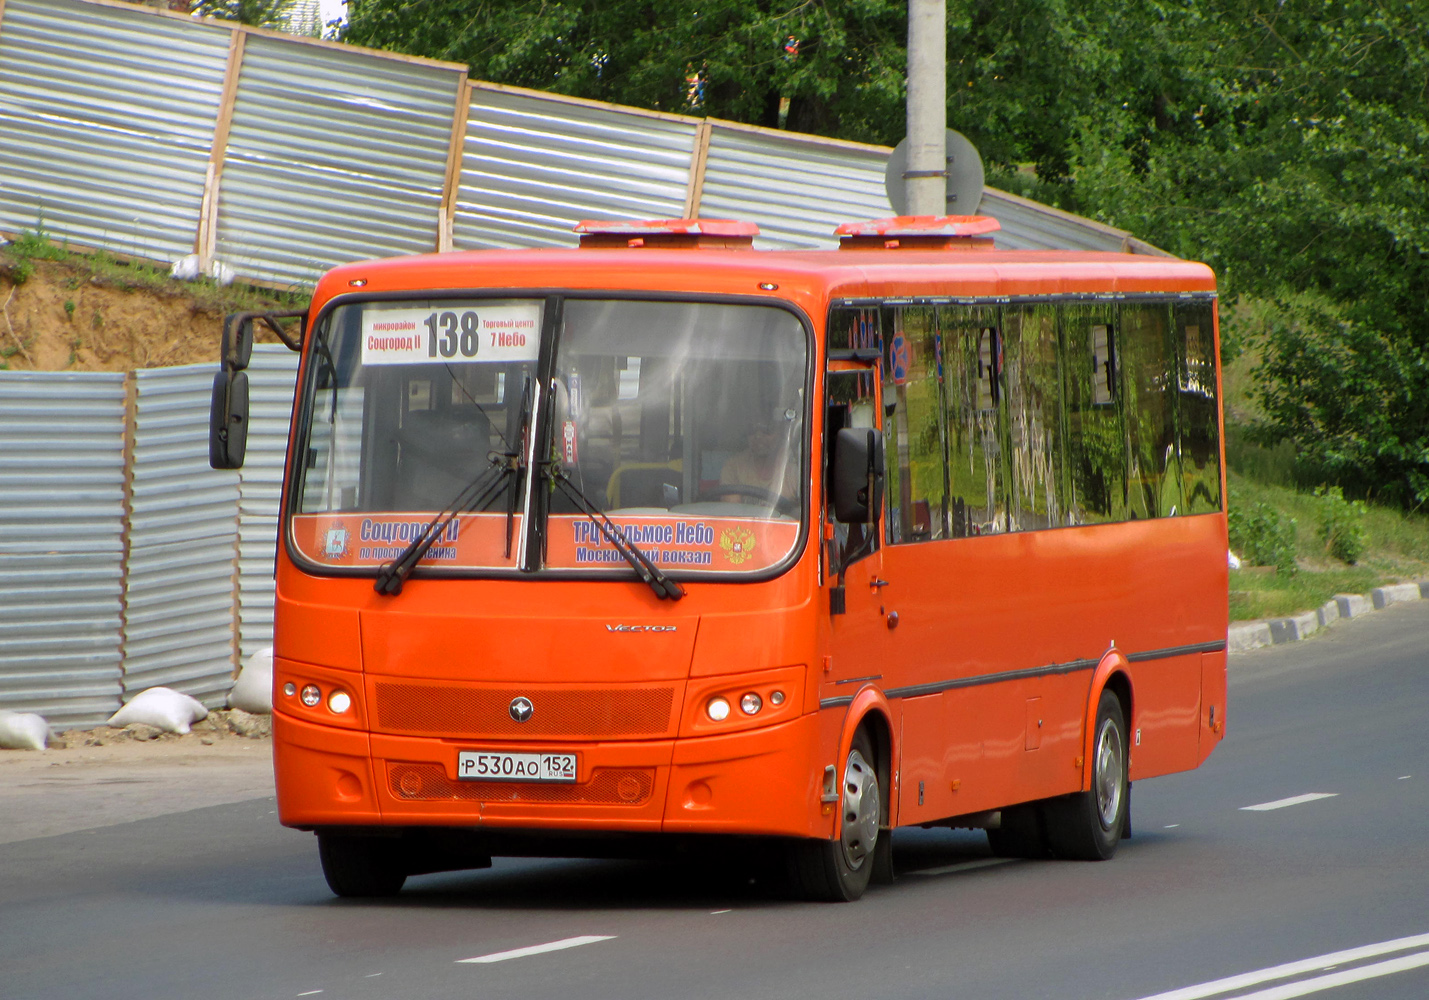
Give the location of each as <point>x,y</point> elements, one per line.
<point>62,309</point>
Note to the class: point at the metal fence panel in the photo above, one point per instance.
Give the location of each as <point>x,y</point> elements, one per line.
<point>61,544</point>
<point>533,167</point>
<point>271,379</point>
<point>1027,225</point>
<point>332,156</point>
<point>797,189</point>
<point>106,122</point>
<point>180,585</point>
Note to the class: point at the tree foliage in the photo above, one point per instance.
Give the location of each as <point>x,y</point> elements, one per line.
<point>260,13</point>
<point>1284,142</point>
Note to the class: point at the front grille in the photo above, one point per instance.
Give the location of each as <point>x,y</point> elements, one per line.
<point>620,786</point>
<point>444,710</point>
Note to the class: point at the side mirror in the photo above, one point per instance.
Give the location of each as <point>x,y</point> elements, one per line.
<point>228,420</point>
<point>237,347</point>
<point>858,475</point>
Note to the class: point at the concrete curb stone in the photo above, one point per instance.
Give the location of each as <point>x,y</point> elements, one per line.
<point>1242,636</point>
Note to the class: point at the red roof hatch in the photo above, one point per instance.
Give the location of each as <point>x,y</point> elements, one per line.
<point>919,232</point>
<point>688,234</point>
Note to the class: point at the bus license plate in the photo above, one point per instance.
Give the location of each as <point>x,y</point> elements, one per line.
<point>481,766</point>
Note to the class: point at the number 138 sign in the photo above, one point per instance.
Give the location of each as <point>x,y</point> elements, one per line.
<point>411,333</point>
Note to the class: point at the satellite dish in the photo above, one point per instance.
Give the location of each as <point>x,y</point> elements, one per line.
<point>964,176</point>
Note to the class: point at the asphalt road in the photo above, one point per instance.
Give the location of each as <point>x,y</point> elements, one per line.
<point>221,902</point>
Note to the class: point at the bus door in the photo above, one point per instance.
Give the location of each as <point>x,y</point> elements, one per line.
<point>860,621</point>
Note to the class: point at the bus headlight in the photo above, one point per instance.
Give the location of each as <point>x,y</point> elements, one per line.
<point>717,709</point>
<point>751,703</point>
<point>311,695</point>
<point>339,702</point>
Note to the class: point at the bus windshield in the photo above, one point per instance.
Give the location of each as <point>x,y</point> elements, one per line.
<point>683,422</point>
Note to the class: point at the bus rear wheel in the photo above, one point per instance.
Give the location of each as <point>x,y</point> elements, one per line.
<point>361,866</point>
<point>1088,826</point>
<point>839,870</point>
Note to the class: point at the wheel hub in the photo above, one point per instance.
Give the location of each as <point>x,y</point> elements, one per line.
<point>860,810</point>
<point>1107,777</point>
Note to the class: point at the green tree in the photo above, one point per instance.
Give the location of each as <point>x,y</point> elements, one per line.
<point>841,64</point>
<point>260,13</point>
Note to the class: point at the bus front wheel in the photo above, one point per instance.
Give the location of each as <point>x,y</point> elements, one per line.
<point>1087,826</point>
<point>361,866</point>
<point>839,870</point>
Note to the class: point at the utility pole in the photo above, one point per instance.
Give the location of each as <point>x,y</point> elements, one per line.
<point>926,176</point>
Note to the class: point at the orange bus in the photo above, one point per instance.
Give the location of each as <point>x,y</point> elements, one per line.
<point>665,537</point>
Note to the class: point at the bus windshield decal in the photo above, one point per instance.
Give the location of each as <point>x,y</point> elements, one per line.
<point>414,333</point>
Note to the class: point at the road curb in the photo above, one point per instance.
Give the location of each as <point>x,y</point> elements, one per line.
<point>1242,636</point>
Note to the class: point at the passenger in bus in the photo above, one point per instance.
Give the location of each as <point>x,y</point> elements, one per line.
<point>764,464</point>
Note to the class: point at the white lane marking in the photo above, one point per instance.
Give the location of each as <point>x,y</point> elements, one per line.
<point>714,912</point>
<point>539,949</point>
<point>964,866</point>
<point>1405,777</point>
<point>1317,964</point>
<point>1294,800</point>
<point>1318,983</point>
<point>1171,826</point>
<point>372,975</point>
<point>309,993</point>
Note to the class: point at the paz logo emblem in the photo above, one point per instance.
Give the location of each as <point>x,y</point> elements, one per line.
<point>521,709</point>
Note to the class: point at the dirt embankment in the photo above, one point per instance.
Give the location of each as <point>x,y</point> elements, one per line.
<point>83,314</point>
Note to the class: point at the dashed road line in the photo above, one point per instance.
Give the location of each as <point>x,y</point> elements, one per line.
<point>1320,963</point>
<point>1294,800</point>
<point>538,949</point>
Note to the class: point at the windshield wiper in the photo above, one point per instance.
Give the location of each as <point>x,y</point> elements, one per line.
<point>475,495</point>
<point>664,587</point>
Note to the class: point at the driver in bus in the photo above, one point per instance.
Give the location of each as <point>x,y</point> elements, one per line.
<point>764,463</point>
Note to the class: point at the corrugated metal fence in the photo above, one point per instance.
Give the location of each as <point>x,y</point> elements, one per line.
<point>125,561</point>
<point>158,135</point>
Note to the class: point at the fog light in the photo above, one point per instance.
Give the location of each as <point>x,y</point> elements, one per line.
<point>776,697</point>
<point>718,709</point>
<point>311,695</point>
<point>751,703</point>
<point>339,702</point>
<point>290,689</point>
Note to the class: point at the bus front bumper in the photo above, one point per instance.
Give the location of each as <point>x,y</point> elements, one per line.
<point>763,781</point>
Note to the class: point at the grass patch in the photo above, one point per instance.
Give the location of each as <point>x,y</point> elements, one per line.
<point>17,261</point>
<point>1396,550</point>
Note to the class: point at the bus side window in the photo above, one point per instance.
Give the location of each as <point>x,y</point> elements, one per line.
<point>1036,495</point>
<point>1095,443</point>
<point>1148,364</point>
<point>1198,436</point>
<point>915,432</point>
<point>972,395</point>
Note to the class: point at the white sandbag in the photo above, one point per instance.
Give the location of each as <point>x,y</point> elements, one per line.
<point>162,708</point>
<point>253,691</point>
<point>23,731</point>
<point>186,268</point>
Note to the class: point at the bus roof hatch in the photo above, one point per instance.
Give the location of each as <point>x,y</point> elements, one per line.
<point>690,234</point>
<point>919,232</point>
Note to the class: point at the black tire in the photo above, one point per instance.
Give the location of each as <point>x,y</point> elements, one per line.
<point>1021,834</point>
<point>361,866</point>
<point>838,870</point>
<point>1088,826</point>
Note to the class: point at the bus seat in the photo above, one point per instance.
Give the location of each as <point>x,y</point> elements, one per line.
<point>441,452</point>
<point>645,484</point>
